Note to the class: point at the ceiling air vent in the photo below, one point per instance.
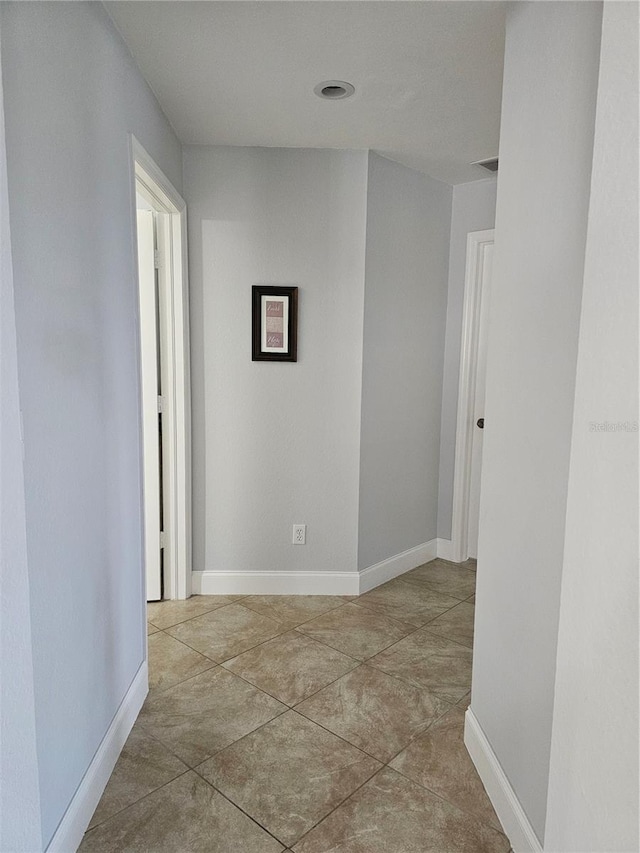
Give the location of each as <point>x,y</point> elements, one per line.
<point>491,165</point>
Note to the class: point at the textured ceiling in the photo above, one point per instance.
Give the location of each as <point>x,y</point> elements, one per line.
<point>427,75</point>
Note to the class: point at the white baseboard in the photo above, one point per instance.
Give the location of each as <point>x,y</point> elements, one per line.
<point>445,549</point>
<point>503,798</point>
<point>275,583</point>
<point>373,576</point>
<point>76,819</point>
<point>311,583</point>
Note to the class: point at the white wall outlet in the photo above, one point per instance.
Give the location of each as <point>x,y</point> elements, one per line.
<point>299,534</point>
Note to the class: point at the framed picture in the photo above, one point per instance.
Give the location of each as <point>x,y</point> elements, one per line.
<point>274,323</point>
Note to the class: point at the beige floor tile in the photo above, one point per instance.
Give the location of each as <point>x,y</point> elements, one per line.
<point>291,666</point>
<point>398,600</point>
<point>186,816</point>
<point>201,716</point>
<point>164,614</point>
<point>373,711</point>
<point>456,624</point>
<point>151,629</point>
<point>426,660</point>
<point>170,662</point>
<point>452,579</point>
<point>438,760</point>
<point>144,766</point>
<point>289,774</point>
<point>465,701</point>
<point>391,814</point>
<point>292,609</point>
<point>227,631</point>
<point>356,631</point>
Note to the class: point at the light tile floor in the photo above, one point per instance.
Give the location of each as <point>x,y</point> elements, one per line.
<point>318,724</point>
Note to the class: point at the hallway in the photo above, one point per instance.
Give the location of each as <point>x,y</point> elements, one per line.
<point>310,723</point>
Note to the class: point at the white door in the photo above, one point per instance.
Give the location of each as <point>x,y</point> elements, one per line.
<point>478,407</point>
<point>150,391</point>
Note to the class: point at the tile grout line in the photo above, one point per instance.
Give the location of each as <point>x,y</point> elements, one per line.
<point>161,742</point>
<point>375,613</point>
<point>352,794</point>
<point>190,618</point>
<point>387,767</point>
<point>262,642</point>
<point>341,803</point>
<point>155,692</point>
<point>373,610</point>
<point>364,660</point>
<point>451,639</point>
<point>291,707</point>
<point>294,708</point>
<point>404,680</point>
<point>135,802</point>
<point>311,618</point>
<point>235,805</point>
<point>379,760</point>
<point>444,799</point>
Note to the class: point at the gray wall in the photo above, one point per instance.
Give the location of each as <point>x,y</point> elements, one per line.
<point>276,444</point>
<point>72,94</point>
<point>474,209</point>
<point>595,723</point>
<point>549,92</point>
<point>19,789</point>
<point>408,222</point>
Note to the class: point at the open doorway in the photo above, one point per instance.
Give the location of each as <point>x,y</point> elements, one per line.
<point>164,379</point>
<point>471,395</point>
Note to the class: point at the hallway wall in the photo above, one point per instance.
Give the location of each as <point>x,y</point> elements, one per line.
<point>20,830</point>
<point>595,718</point>
<point>347,440</point>
<point>72,95</point>
<point>546,149</point>
<point>405,303</point>
<point>276,444</point>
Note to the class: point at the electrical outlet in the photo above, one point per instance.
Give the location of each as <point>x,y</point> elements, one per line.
<point>299,534</point>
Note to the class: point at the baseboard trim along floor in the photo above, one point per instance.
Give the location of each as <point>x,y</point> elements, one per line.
<point>316,583</point>
<point>73,825</point>
<point>507,806</point>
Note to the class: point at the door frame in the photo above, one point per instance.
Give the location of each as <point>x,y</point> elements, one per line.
<point>176,390</point>
<point>477,241</point>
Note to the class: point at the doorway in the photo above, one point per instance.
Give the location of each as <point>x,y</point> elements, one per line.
<point>160,238</point>
<point>471,396</point>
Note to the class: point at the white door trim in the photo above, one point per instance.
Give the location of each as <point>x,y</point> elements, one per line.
<point>177,393</point>
<point>477,241</point>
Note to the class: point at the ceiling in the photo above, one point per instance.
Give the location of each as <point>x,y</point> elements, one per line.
<point>427,75</point>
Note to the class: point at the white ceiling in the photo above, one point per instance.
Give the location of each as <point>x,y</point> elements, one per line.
<point>428,75</point>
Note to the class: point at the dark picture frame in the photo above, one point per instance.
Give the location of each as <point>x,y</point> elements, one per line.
<point>274,323</point>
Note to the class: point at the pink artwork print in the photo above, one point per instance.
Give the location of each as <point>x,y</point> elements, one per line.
<point>275,323</point>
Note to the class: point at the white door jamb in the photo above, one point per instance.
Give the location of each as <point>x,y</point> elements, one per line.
<point>477,241</point>
<point>176,389</point>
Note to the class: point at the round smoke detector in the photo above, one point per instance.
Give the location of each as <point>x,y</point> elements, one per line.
<point>334,90</point>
